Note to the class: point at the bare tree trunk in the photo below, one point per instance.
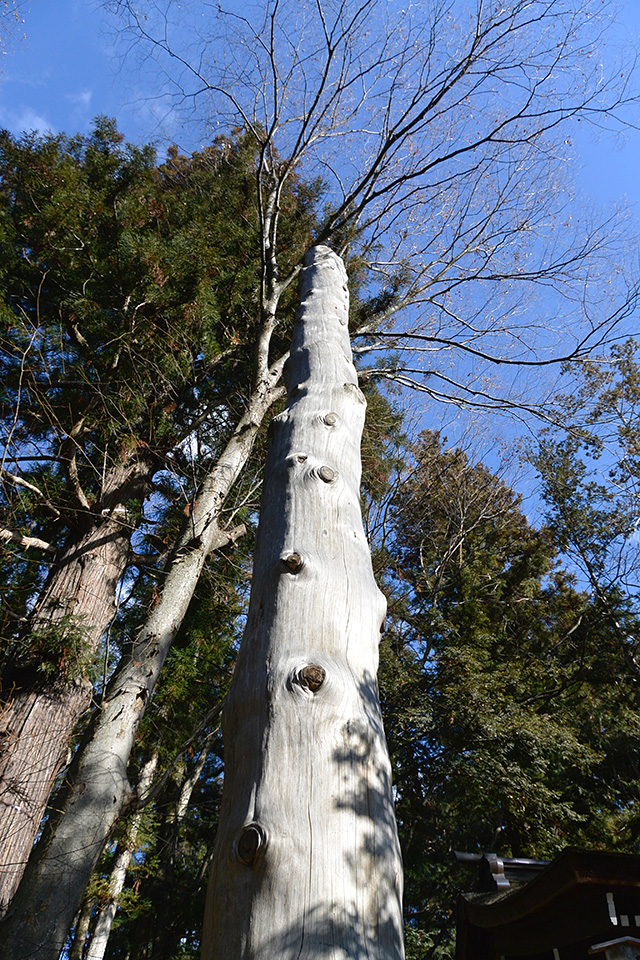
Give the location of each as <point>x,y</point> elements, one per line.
<point>82,929</point>
<point>42,911</point>
<point>40,709</point>
<point>102,930</point>
<point>158,933</point>
<point>307,862</point>
<point>106,914</point>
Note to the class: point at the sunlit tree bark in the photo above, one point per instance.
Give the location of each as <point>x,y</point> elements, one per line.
<point>307,860</point>
<point>39,710</point>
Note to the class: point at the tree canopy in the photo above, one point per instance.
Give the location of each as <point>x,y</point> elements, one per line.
<point>510,703</point>
<point>146,309</point>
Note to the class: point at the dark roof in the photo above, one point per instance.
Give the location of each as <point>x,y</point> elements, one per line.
<point>579,899</point>
<point>499,873</point>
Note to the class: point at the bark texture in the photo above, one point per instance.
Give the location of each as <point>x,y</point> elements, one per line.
<point>98,789</point>
<point>307,862</point>
<point>124,853</point>
<point>40,710</point>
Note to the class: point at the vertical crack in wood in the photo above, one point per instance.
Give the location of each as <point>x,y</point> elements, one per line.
<point>305,752</point>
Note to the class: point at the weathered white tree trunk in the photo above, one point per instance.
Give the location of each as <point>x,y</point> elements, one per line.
<point>51,891</point>
<point>307,863</point>
<point>126,849</point>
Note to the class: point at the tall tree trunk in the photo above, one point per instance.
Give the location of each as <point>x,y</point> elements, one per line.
<point>158,934</point>
<point>42,911</point>
<point>40,710</point>
<point>81,931</point>
<point>307,861</point>
<point>126,848</point>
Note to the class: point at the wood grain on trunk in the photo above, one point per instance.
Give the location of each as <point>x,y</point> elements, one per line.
<point>307,863</point>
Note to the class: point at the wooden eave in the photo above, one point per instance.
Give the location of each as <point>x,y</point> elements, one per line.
<point>565,904</point>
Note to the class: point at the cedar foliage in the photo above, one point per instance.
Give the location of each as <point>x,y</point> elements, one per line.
<point>127,311</point>
<point>511,711</point>
<point>127,302</point>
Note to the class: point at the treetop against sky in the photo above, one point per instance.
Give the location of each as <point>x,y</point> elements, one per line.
<point>63,68</point>
<point>78,61</point>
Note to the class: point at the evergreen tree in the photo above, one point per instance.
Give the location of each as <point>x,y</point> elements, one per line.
<point>511,711</point>
<point>589,466</point>
<point>129,322</point>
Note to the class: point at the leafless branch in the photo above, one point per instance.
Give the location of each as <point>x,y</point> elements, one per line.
<point>10,536</point>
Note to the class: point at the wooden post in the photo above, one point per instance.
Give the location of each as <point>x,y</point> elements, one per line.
<point>307,863</point>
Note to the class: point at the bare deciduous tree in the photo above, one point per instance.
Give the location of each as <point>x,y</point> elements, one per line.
<point>439,134</point>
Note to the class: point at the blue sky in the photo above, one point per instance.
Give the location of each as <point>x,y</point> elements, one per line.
<point>63,72</point>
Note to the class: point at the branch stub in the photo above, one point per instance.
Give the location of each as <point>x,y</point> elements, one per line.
<point>311,677</point>
<point>293,562</point>
<point>355,392</point>
<point>327,474</point>
<point>249,843</point>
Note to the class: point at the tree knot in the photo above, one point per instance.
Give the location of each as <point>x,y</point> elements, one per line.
<point>251,840</point>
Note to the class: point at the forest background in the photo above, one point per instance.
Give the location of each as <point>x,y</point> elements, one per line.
<point>509,667</point>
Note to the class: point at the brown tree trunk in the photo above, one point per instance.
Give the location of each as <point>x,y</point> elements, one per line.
<point>307,862</point>
<point>97,789</point>
<point>46,689</point>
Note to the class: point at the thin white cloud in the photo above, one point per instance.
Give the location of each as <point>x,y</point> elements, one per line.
<point>35,78</point>
<point>24,120</point>
<point>82,99</point>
